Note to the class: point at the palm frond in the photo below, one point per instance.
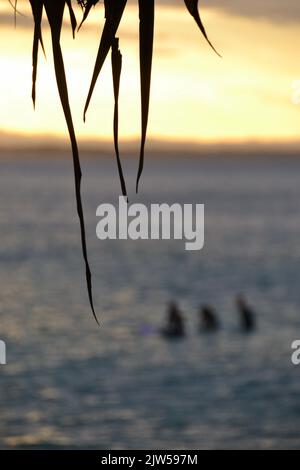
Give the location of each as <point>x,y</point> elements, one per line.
<point>116,62</point>
<point>146,10</point>
<point>192,6</point>
<point>55,12</point>
<point>114,10</point>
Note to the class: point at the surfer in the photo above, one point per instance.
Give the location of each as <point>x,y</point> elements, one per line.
<point>208,319</point>
<point>247,316</point>
<point>175,322</point>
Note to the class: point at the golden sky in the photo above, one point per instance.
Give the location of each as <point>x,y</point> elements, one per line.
<point>196,96</point>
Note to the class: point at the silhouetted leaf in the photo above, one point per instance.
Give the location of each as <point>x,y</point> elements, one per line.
<point>114,10</point>
<point>72,17</point>
<point>113,14</point>
<point>37,11</point>
<point>192,6</point>
<point>86,5</point>
<point>55,12</point>
<point>146,12</point>
<point>116,60</point>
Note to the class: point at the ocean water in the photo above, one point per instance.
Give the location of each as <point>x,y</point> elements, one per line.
<point>69,384</point>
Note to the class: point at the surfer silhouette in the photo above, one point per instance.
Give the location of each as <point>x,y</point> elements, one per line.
<point>175,322</point>
<point>247,316</point>
<point>208,319</point>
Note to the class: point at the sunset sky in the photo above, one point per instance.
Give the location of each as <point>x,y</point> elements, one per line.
<point>196,96</point>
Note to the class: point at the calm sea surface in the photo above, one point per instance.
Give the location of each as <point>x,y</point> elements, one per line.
<point>70,384</point>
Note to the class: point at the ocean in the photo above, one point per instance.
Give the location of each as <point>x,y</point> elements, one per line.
<point>69,384</point>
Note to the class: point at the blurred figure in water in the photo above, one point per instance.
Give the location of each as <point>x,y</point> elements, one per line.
<point>208,319</point>
<point>247,316</point>
<point>175,322</point>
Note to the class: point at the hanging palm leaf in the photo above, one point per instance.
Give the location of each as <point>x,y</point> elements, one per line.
<point>55,11</point>
<point>114,10</point>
